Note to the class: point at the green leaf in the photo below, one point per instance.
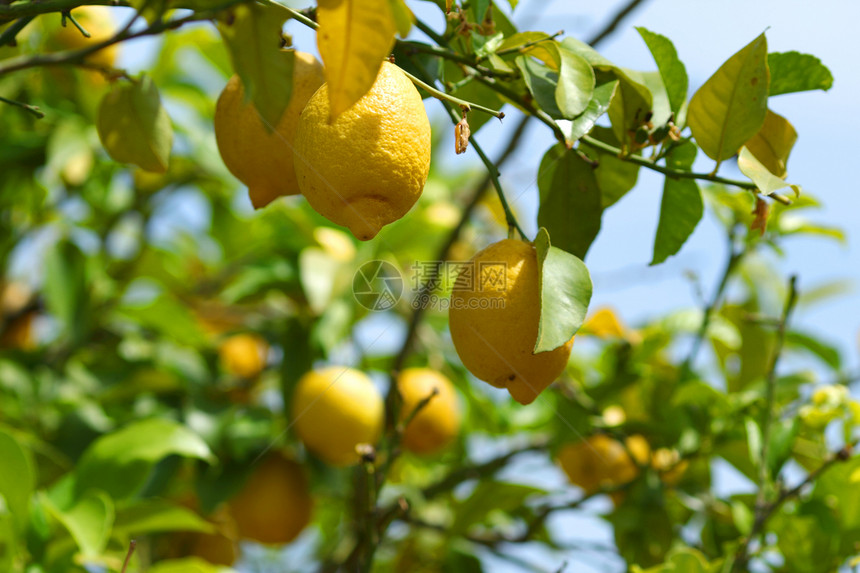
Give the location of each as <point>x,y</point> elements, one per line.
<point>168,317</point>
<point>575,84</point>
<point>766,182</point>
<point>403,16</point>
<point>521,39</point>
<point>754,441</point>
<point>773,143</point>
<point>827,353</point>
<point>672,70</point>
<point>134,127</point>
<point>17,479</point>
<point>590,55</point>
<point>570,202</point>
<point>542,83</point>
<point>254,42</point>
<point>89,521</point>
<point>615,177</point>
<point>565,291</point>
<point>119,463</point>
<point>489,496</point>
<point>782,435</point>
<point>157,515</point>
<point>66,292</point>
<point>742,516</point>
<point>681,208</point>
<point>731,106</point>
<point>842,483</point>
<point>479,9</point>
<point>630,106</point>
<point>809,539</point>
<point>795,72</point>
<point>601,97</point>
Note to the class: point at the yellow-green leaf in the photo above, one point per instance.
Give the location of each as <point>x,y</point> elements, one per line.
<point>403,17</point>
<point>766,181</point>
<point>254,42</point>
<point>134,127</point>
<point>730,108</point>
<point>773,142</point>
<point>353,38</point>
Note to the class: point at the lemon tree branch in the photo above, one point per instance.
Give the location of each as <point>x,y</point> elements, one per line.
<point>77,57</point>
<point>675,173</point>
<point>14,11</point>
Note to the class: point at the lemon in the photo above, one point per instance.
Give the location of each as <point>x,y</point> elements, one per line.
<point>334,409</point>
<point>244,354</point>
<point>438,422</point>
<point>603,462</point>
<point>669,465</point>
<point>368,167</point>
<point>98,22</point>
<point>263,159</point>
<point>494,315</point>
<point>274,505</point>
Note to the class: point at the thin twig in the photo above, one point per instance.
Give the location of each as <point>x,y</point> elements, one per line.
<point>763,510</point>
<point>613,24</point>
<point>735,257</point>
<point>27,107</point>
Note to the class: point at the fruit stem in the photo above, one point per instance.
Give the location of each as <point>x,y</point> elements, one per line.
<point>294,14</point>
<point>67,15</point>
<point>467,106</point>
<point>298,16</point>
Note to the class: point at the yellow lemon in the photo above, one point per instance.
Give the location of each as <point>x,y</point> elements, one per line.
<point>669,465</point>
<point>368,167</point>
<point>494,315</point>
<point>274,505</point>
<point>603,462</point>
<point>220,547</point>
<point>335,409</point>
<point>243,354</point>
<point>438,422</point>
<point>263,159</point>
<point>98,22</point>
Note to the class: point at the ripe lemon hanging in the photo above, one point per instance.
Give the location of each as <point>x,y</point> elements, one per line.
<point>494,315</point>
<point>260,158</point>
<point>368,167</point>
<point>243,354</point>
<point>438,422</point>
<point>335,409</point>
<point>603,462</point>
<point>275,504</point>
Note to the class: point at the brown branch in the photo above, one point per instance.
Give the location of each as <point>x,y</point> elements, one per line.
<point>75,57</point>
<point>613,24</point>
